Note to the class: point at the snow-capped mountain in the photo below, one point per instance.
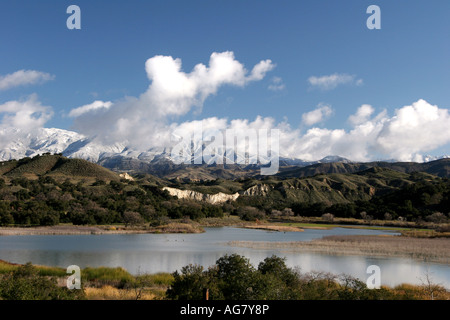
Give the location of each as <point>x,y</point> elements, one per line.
<point>71,144</point>
<point>19,145</point>
<point>74,145</point>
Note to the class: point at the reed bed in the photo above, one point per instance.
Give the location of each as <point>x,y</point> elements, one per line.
<point>425,249</point>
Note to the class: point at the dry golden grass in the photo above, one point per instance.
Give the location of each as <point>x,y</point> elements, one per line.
<point>421,292</point>
<point>112,293</point>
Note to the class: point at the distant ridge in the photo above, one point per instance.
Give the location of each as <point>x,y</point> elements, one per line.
<point>439,168</point>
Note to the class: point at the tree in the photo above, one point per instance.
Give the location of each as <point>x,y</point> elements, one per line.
<point>250,213</point>
<point>236,277</point>
<point>283,280</point>
<point>190,283</point>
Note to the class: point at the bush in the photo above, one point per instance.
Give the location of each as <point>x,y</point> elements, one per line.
<point>328,217</point>
<point>248,213</point>
<point>437,217</point>
<point>132,218</point>
<point>25,283</point>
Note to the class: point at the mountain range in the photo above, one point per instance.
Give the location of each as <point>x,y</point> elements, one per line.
<point>120,157</point>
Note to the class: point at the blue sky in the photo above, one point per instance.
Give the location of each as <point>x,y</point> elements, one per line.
<point>405,61</point>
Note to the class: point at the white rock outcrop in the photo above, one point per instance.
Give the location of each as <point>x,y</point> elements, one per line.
<point>126,176</point>
<point>194,195</point>
<point>258,190</point>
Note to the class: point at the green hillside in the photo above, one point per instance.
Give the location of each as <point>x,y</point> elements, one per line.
<point>52,189</point>
<point>56,166</point>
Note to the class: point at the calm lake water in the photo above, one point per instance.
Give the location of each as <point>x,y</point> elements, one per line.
<point>151,253</point>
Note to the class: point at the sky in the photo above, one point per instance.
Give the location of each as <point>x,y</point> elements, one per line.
<point>137,70</point>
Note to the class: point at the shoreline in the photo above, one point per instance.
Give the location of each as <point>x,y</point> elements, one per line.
<point>174,227</point>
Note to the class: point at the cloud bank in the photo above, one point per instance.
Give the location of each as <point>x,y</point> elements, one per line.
<point>149,120</point>
<point>404,136</point>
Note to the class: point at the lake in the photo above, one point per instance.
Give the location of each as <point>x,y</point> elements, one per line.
<point>151,253</point>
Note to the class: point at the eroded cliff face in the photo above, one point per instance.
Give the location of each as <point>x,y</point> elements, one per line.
<point>258,190</point>
<point>198,196</point>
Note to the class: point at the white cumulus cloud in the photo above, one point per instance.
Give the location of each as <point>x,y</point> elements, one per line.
<point>329,82</point>
<point>414,129</point>
<point>20,118</point>
<point>23,77</point>
<point>172,92</point>
<point>276,84</point>
<point>25,115</point>
<point>362,114</point>
<point>317,115</point>
<point>98,104</point>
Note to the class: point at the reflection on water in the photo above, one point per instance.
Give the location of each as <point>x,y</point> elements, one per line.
<point>150,253</point>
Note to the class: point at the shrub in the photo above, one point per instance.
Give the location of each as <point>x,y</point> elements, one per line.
<point>437,217</point>
<point>132,218</point>
<point>250,213</point>
<point>25,283</point>
<point>328,217</point>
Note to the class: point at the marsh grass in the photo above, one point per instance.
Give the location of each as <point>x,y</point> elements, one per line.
<point>425,249</point>
<point>45,271</point>
<point>7,267</point>
<point>101,276</point>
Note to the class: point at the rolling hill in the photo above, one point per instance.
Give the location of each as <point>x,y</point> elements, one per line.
<point>56,166</point>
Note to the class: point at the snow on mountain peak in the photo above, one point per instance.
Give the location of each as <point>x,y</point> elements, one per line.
<point>74,145</point>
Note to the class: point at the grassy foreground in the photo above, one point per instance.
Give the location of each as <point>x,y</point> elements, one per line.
<point>117,284</point>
